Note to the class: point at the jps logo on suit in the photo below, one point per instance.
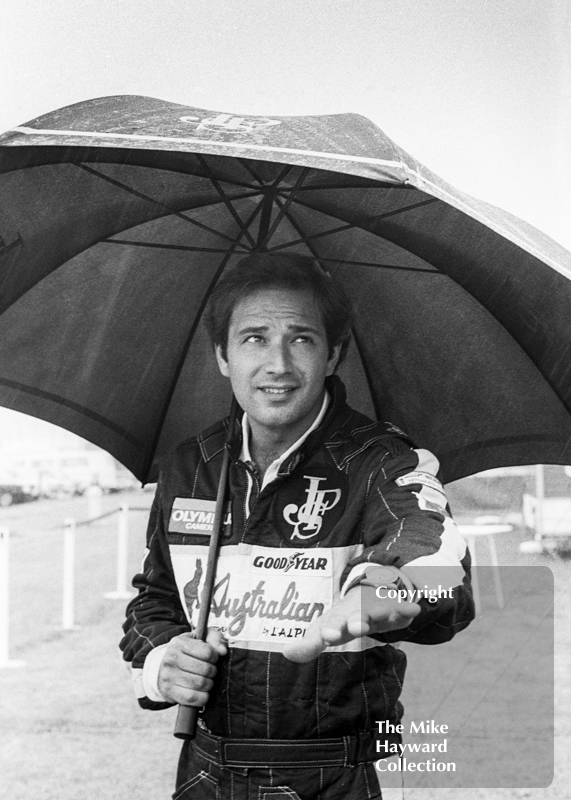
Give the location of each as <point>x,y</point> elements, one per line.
<point>313,505</point>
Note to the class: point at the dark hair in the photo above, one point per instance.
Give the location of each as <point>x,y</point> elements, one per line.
<point>260,271</point>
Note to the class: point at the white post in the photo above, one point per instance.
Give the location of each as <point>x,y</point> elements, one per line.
<point>539,505</point>
<point>535,545</point>
<point>122,592</point>
<point>94,494</point>
<point>5,600</point>
<point>67,620</point>
<point>5,594</point>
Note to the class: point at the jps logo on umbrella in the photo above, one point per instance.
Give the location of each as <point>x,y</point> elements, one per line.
<point>319,505</point>
<point>230,123</point>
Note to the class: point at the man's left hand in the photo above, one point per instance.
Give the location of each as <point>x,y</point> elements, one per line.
<point>359,613</point>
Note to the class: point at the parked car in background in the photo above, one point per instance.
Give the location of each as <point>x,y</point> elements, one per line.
<point>59,474</point>
<point>16,487</point>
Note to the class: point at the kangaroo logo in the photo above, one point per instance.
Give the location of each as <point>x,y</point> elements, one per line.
<point>309,516</point>
<point>230,123</point>
<point>190,590</point>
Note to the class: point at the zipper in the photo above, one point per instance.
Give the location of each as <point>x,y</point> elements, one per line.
<point>253,484</point>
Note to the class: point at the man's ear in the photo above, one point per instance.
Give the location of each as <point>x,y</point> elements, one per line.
<point>222,363</point>
<point>332,361</point>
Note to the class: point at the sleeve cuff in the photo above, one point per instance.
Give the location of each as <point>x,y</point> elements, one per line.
<point>150,676</point>
<point>376,575</point>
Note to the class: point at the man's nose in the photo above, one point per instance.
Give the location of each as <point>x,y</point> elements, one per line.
<point>278,359</point>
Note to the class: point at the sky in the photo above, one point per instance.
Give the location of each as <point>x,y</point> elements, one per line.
<point>477,90</point>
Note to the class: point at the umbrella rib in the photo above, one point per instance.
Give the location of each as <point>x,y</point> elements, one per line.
<point>370,183</point>
<point>287,168</point>
<point>283,208</point>
<point>117,157</point>
<point>434,271</point>
<point>346,262</point>
<point>175,213</point>
<point>363,220</point>
<point>313,236</point>
<point>187,344</point>
<point>366,372</point>
<point>375,265</point>
<point>500,440</point>
<point>158,246</point>
<point>249,169</point>
<point>182,359</point>
<point>86,412</point>
<point>225,199</point>
<point>269,193</point>
<point>265,218</point>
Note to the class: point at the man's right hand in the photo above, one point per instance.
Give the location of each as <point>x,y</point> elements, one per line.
<point>187,668</point>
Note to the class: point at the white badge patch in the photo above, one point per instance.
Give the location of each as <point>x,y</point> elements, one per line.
<point>431,501</point>
<point>190,515</point>
<point>432,496</point>
<point>424,478</point>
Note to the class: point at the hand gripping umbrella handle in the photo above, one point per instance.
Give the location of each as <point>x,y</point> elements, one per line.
<point>187,717</point>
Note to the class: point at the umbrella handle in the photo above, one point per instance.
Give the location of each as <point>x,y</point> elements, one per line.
<point>187,717</point>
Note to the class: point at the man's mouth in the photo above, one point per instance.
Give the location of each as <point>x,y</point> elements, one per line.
<point>277,390</point>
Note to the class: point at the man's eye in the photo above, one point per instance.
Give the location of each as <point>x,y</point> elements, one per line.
<point>254,337</point>
<point>304,339</point>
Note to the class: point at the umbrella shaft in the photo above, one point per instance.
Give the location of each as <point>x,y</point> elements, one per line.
<point>187,717</point>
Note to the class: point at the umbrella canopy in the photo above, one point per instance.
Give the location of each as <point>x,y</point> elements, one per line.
<point>118,216</point>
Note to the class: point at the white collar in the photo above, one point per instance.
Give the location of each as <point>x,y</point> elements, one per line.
<point>273,469</point>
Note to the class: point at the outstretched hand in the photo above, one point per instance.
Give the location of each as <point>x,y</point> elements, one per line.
<point>359,613</point>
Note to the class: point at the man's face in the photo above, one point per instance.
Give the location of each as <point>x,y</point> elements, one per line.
<point>277,360</point>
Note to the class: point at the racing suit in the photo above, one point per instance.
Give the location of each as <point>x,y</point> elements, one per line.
<point>354,493</point>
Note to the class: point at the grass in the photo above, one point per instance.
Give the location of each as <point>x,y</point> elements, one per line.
<point>69,722</point>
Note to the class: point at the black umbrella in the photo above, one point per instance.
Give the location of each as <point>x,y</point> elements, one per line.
<point>118,215</point>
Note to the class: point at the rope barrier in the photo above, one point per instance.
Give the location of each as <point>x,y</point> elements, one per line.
<point>70,527</point>
<point>117,510</point>
<point>122,591</point>
<point>89,521</point>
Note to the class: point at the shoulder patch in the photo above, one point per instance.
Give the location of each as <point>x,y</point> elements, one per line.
<point>422,478</point>
<point>392,428</point>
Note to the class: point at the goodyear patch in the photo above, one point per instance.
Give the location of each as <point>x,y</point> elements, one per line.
<point>273,562</point>
<point>194,516</point>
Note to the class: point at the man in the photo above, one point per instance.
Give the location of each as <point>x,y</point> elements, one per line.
<point>330,515</point>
